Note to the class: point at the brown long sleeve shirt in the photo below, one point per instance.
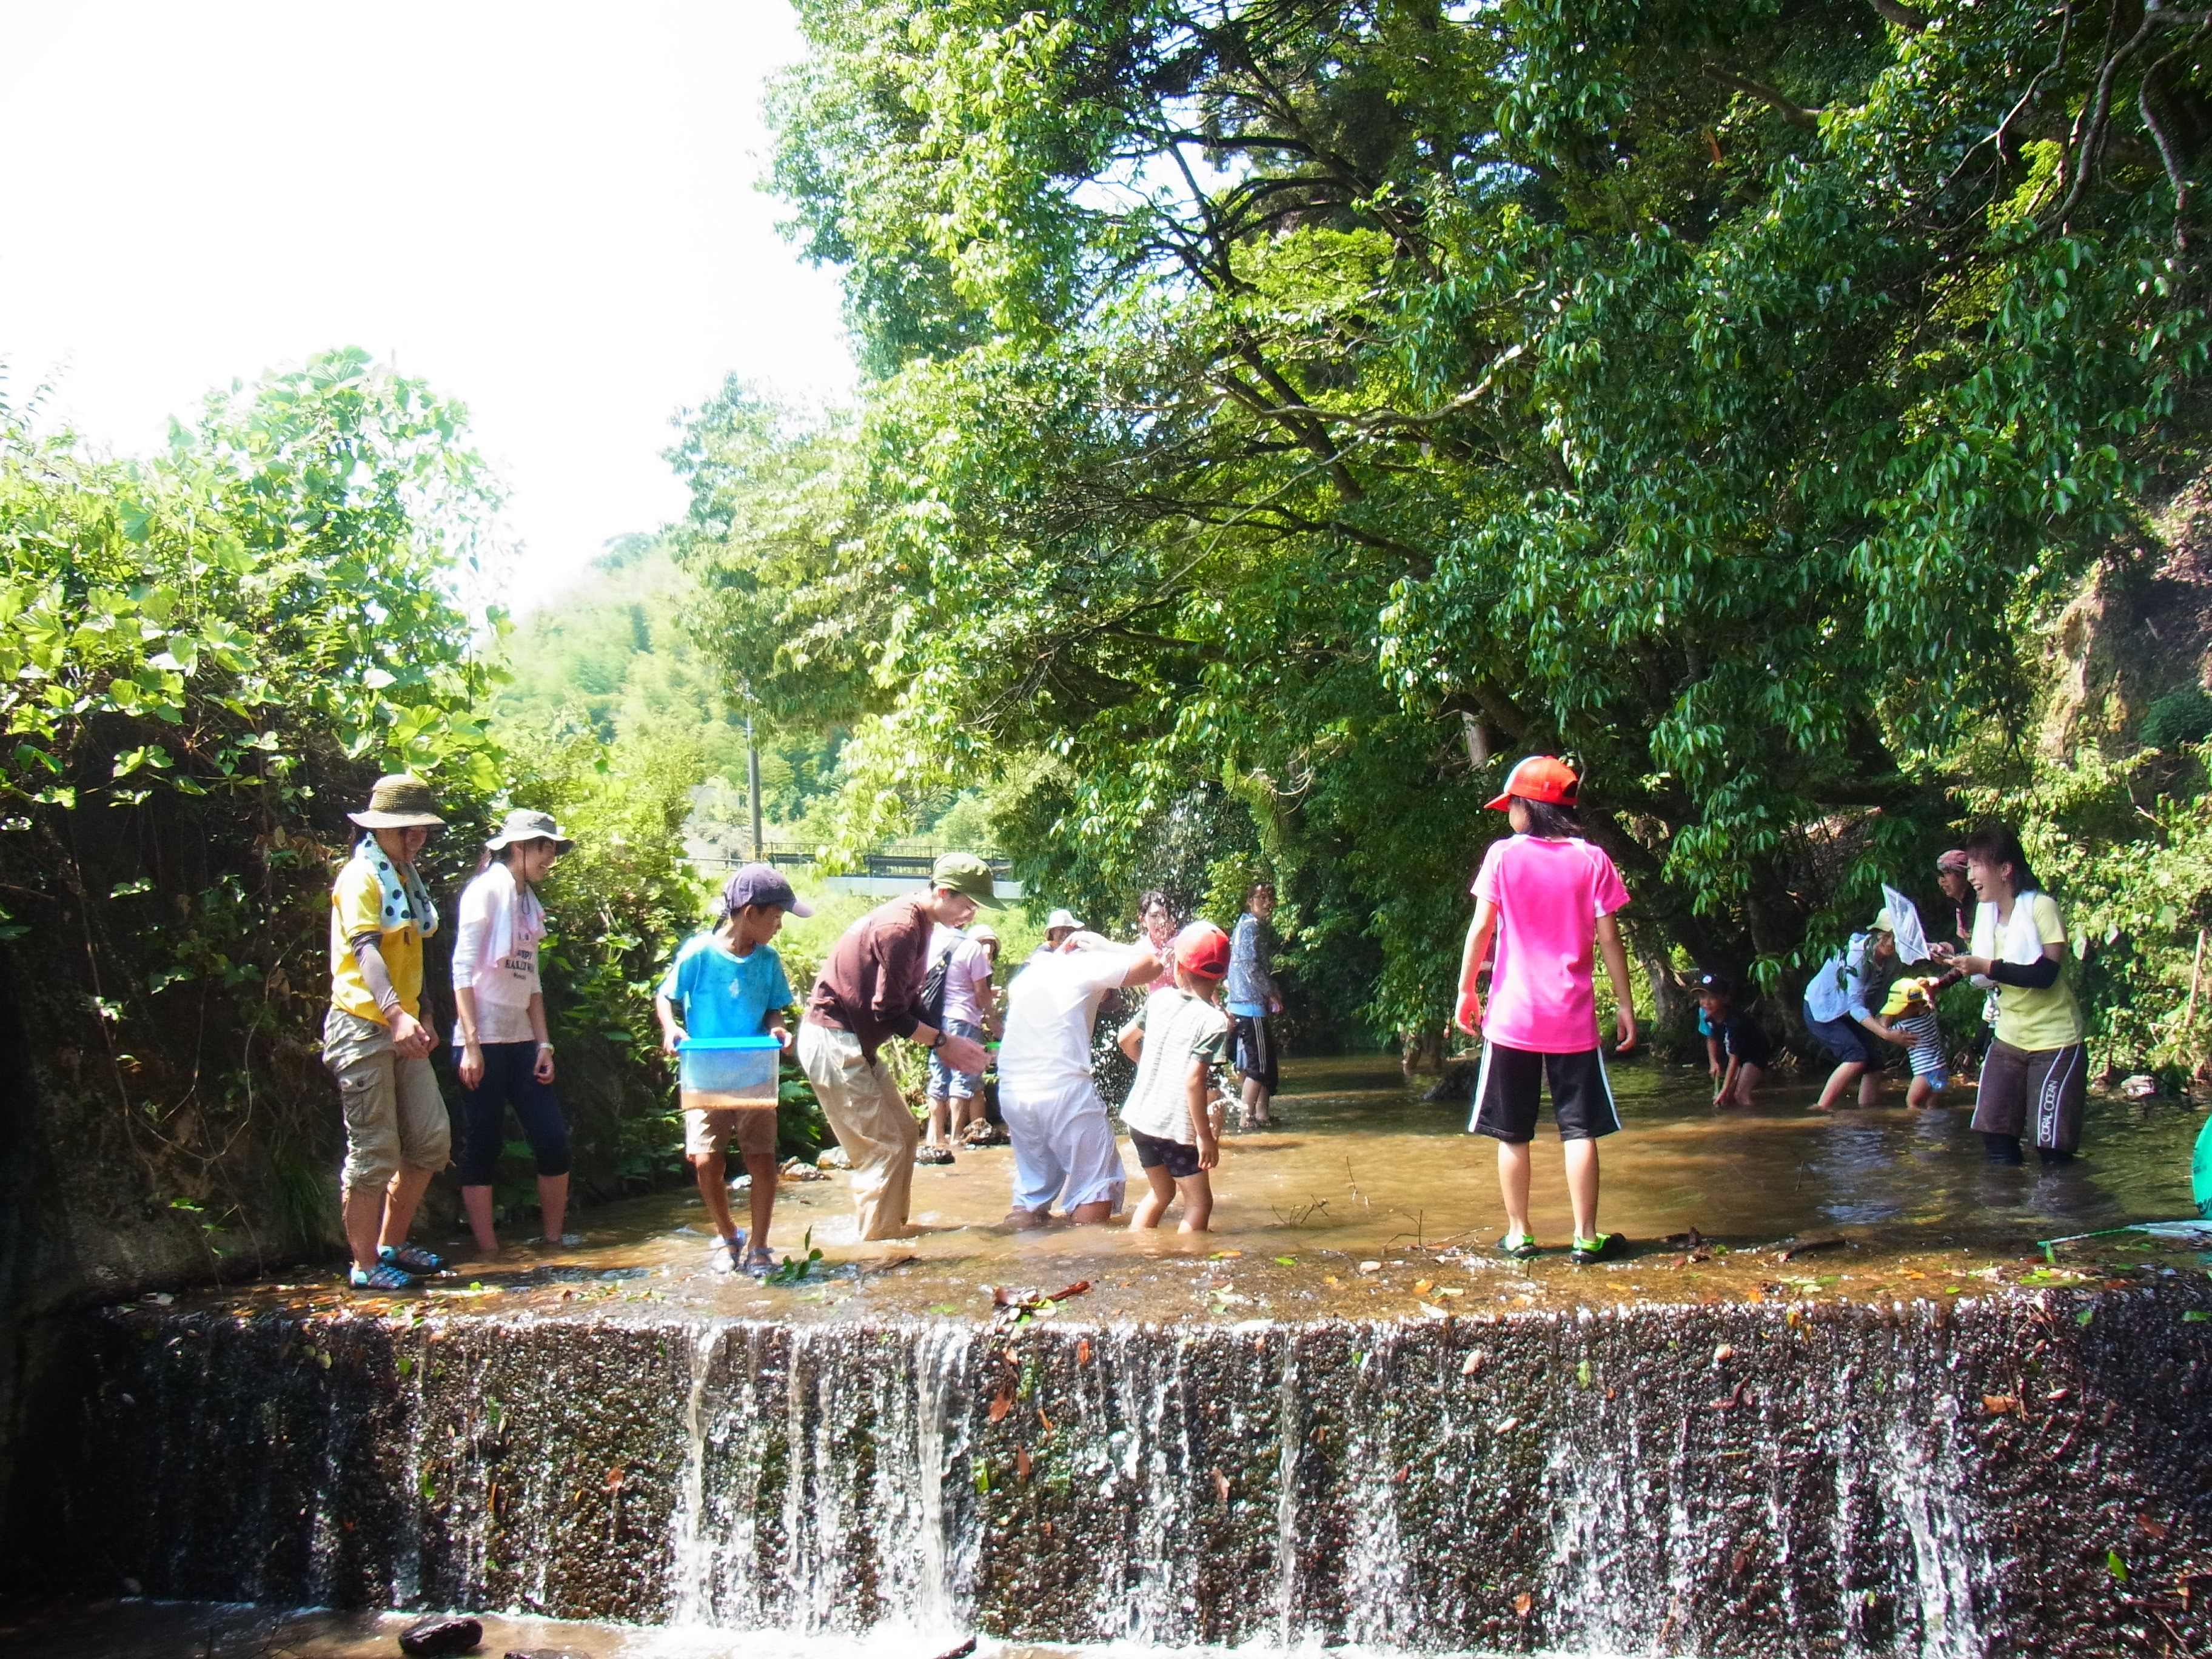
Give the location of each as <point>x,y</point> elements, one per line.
<point>871,981</point>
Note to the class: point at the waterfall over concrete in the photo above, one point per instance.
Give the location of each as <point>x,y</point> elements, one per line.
<point>1904,1479</point>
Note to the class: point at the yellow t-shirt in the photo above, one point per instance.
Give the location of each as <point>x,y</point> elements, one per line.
<point>357,907</point>
<point>2050,1019</point>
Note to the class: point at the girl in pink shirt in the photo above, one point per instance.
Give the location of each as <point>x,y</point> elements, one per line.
<point>1547,898</point>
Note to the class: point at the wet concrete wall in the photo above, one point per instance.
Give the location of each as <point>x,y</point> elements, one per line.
<point>1997,1477</point>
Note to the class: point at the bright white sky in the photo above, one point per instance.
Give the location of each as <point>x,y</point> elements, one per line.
<point>546,210</point>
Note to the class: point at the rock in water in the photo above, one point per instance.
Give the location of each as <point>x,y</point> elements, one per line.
<point>832,1158</point>
<point>545,1653</point>
<point>2140,1086</point>
<point>433,1636</point>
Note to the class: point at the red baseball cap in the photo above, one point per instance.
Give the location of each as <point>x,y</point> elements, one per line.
<point>1539,777</point>
<point>1204,949</point>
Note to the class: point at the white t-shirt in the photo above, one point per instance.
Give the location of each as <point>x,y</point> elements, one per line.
<point>494,912</point>
<point>1178,1028</point>
<point>1051,1007</point>
<point>965,974</point>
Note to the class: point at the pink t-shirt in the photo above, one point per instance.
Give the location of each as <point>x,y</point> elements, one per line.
<point>1549,895</point>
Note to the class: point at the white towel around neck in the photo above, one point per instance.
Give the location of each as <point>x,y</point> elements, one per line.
<point>2022,944</point>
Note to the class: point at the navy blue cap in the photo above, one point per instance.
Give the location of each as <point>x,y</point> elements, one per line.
<point>759,883</point>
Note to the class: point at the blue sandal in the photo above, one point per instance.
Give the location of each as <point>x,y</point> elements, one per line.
<point>382,1277</point>
<point>409,1259</point>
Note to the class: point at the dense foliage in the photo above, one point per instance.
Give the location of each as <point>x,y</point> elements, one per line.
<point>206,657</point>
<point>1291,410</point>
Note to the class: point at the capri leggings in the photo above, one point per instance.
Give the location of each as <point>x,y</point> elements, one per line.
<point>509,1080</point>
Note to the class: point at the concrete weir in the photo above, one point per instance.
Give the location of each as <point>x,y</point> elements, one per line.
<point>2025,1471</point>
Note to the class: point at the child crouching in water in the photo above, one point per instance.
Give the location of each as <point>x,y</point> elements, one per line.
<point>1173,1110</point>
<point>1740,1049</point>
<point>729,982</point>
<point>1548,897</point>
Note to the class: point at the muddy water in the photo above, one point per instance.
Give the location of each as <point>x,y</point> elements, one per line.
<point>1366,1192</point>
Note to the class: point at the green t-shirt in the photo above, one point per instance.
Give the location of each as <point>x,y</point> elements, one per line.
<point>2048,1018</point>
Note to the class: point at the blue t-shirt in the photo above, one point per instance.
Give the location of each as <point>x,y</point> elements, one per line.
<point>724,995</point>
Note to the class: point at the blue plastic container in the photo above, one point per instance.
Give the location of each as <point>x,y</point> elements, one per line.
<point>715,1071</point>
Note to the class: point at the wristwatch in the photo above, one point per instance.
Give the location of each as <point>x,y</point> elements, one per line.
<point>939,1043</point>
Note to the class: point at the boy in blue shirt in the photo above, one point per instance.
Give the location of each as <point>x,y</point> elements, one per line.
<point>729,982</point>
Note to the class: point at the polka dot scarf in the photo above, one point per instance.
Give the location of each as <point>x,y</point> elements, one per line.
<point>402,896</point>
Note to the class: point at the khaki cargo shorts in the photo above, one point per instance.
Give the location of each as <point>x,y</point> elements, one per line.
<point>394,1114</point>
<point>708,1130</point>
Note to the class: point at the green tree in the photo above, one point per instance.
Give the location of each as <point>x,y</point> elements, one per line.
<point>1328,401</point>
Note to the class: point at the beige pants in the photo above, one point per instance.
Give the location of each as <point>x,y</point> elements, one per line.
<point>394,1114</point>
<point>873,1124</point>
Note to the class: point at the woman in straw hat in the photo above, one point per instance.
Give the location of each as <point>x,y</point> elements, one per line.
<point>376,1040</point>
<point>502,1053</point>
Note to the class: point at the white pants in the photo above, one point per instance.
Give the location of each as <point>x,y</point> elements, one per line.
<point>1064,1146</point>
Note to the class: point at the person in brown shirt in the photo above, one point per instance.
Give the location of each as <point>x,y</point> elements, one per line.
<point>869,989</point>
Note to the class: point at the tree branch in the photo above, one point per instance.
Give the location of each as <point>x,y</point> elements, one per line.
<point>1795,114</point>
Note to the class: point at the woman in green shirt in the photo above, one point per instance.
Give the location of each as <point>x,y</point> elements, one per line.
<point>2035,1077</point>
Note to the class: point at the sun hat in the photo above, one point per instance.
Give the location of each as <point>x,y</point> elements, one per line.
<point>1539,777</point>
<point>759,883</point>
<point>1902,995</point>
<point>1954,858</point>
<point>983,933</point>
<point>1204,949</point>
<point>398,800</point>
<point>1716,982</point>
<point>1060,919</point>
<point>523,825</point>
<point>967,875</point>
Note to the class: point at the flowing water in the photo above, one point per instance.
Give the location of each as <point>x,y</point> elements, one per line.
<point>1334,1423</point>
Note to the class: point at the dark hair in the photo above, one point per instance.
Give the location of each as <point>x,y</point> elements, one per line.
<point>1151,896</point>
<point>1995,843</point>
<point>1256,889</point>
<point>1550,818</point>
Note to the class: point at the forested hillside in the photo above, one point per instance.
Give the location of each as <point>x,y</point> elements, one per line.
<point>1283,415</point>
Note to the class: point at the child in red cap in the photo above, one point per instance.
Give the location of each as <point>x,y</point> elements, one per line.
<point>1174,1110</point>
<point>1547,897</point>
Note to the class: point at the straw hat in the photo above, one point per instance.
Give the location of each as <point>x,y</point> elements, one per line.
<point>523,825</point>
<point>398,801</point>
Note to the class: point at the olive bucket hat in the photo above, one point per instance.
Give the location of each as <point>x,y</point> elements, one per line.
<point>523,825</point>
<point>398,801</point>
<point>965,873</point>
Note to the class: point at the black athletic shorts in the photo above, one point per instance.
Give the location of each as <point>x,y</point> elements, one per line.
<point>1153,1151</point>
<point>1252,1047</point>
<point>1506,1088</point>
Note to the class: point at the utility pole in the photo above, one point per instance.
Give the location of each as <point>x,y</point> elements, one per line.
<point>752,785</point>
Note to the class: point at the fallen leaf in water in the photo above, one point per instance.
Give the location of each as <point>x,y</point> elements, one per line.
<point>614,1479</point>
<point>1022,1462</point>
<point>1473,1363</point>
<point>1524,1301</point>
<point>1723,1352</point>
<point>1521,1603</point>
<point>1330,1279</point>
<point>1451,1289</point>
<point>1083,1352</point>
<point>2154,1528</point>
<point>1423,1286</point>
<point>1730,1401</point>
<point>1507,1425</point>
<point>1220,1486</point>
<point>1044,1419</point>
<point>2057,1394</point>
<point>1398,1479</point>
<point>1754,1294</point>
<point>1083,1284</point>
<point>1048,1529</point>
<point>1002,1403</point>
<point>1997,1404</point>
<point>1912,1273</point>
<point>1738,1562</point>
<point>1223,1255</point>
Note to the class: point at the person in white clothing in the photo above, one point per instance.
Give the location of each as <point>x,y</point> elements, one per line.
<point>502,1051</point>
<point>1063,1139</point>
